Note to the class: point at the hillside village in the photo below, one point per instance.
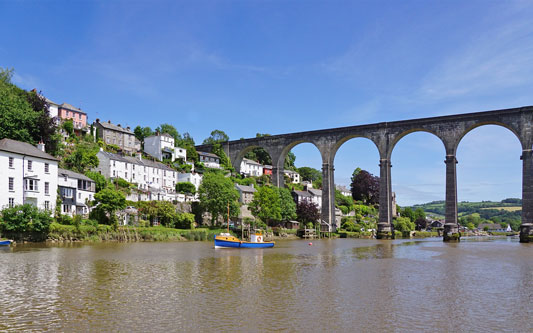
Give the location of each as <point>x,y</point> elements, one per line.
<point>102,172</point>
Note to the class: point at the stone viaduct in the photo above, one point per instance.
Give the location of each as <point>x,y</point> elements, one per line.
<point>449,129</point>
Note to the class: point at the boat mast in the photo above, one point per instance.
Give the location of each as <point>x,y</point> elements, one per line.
<point>228,217</point>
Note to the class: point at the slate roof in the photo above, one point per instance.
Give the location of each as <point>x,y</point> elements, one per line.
<point>72,174</point>
<point>109,126</point>
<point>315,192</point>
<point>136,161</point>
<point>302,193</point>
<point>23,148</point>
<point>71,108</point>
<point>245,160</point>
<point>244,188</point>
<point>203,153</point>
<point>50,101</point>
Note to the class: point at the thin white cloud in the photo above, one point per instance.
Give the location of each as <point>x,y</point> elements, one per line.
<point>499,58</point>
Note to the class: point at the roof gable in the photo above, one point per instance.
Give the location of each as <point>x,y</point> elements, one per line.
<point>24,148</point>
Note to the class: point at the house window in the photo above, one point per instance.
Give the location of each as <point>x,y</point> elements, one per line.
<point>47,188</point>
<point>66,208</point>
<point>133,176</point>
<point>67,193</point>
<point>47,205</point>
<point>11,183</point>
<point>31,185</point>
<point>79,195</point>
<point>11,202</point>
<point>47,168</point>
<point>11,162</point>
<point>30,166</point>
<point>133,166</point>
<point>113,163</point>
<point>113,173</point>
<point>126,174</point>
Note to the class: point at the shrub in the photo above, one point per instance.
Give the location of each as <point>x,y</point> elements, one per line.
<point>25,218</point>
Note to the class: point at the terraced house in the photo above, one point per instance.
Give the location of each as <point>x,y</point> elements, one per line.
<point>28,175</point>
<point>154,180</point>
<point>117,135</point>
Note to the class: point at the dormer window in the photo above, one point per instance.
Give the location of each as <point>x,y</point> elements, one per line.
<point>30,165</point>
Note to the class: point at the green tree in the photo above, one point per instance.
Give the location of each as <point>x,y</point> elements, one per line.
<point>185,188</point>
<point>289,161</point>
<point>68,126</point>
<point>224,159</point>
<point>266,204</point>
<point>287,204</point>
<point>24,115</point>
<point>109,201</point>
<point>187,142</point>
<point>142,132</point>
<point>309,174</point>
<point>215,193</point>
<point>25,218</point>
<point>217,136</point>
<point>419,214</point>
<point>403,224</point>
<point>260,154</point>
<point>82,158</point>
<point>408,212</point>
<point>99,180</point>
<point>171,130</point>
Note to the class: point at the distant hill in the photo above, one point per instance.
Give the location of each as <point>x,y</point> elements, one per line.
<point>507,211</point>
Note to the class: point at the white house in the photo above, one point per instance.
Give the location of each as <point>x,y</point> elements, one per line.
<point>209,160</point>
<point>293,175</point>
<point>161,146</point>
<point>76,192</point>
<point>53,110</point>
<point>344,191</point>
<point>191,177</point>
<point>316,197</point>
<point>251,168</point>
<point>155,180</point>
<point>29,175</point>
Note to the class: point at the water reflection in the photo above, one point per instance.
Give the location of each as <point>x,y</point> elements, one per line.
<point>338,285</point>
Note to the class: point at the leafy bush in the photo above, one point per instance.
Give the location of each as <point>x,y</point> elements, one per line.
<point>25,218</point>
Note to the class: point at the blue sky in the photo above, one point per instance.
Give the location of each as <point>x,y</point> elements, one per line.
<point>278,67</point>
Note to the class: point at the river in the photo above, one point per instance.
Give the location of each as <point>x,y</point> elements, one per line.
<point>334,285</point>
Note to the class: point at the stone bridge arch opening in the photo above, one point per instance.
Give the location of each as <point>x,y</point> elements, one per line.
<point>480,154</point>
<point>351,153</point>
<point>419,172</point>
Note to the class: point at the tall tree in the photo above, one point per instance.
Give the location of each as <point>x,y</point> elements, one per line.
<point>108,202</point>
<point>24,115</point>
<point>288,206</point>
<point>215,193</point>
<point>307,212</point>
<point>266,204</point>
<point>365,187</point>
<point>289,161</point>
<point>142,132</point>
<point>260,154</point>
<point>171,130</point>
<point>83,158</point>
<point>217,136</point>
<point>309,174</point>
<point>187,142</point>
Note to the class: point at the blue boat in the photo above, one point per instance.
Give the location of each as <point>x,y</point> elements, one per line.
<point>225,240</point>
<point>5,242</point>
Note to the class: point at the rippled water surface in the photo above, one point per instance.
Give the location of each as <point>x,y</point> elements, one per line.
<point>335,285</point>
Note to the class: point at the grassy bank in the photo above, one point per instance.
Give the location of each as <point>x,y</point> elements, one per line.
<point>60,232</point>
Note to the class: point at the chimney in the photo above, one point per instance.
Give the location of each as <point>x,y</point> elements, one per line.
<point>140,156</point>
<point>109,121</point>
<point>40,146</point>
<point>128,128</point>
<point>118,125</point>
<point>98,120</point>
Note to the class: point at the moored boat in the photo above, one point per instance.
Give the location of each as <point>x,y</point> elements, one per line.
<point>5,242</point>
<point>225,240</point>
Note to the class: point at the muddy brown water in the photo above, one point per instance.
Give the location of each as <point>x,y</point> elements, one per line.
<point>353,285</point>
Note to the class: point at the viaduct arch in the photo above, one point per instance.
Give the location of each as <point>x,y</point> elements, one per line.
<point>449,129</point>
